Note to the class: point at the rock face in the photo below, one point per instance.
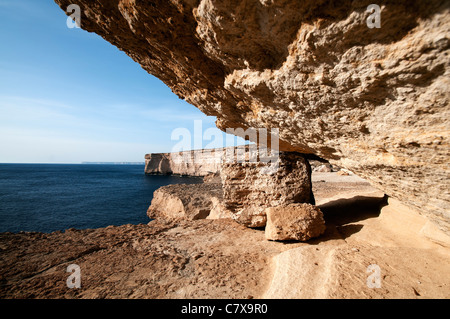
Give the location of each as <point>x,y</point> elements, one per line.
<point>209,162</point>
<point>371,100</point>
<point>192,163</point>
<point>188,201</point>
<point>249,188</point>
<point>240,190</point>
<point>294,222</point>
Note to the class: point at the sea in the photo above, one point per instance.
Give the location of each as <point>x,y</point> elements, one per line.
<point>55,197</point>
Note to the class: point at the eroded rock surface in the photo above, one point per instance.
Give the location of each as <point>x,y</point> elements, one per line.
<point>250,188</point>
<point>188,201</point>
<point>186,259</point>
<point>191,163</point>
<point>294,222</point>
<point>372,100</point>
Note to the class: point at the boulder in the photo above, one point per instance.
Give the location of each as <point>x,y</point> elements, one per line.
<point>249,188</point>
<point>187,201</point>
<point>294,222</point>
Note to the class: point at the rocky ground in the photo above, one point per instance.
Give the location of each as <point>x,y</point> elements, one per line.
<point>222,259</point>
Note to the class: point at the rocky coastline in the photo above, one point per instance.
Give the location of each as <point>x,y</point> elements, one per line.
<point>373,101</point>
<point>194,254</point>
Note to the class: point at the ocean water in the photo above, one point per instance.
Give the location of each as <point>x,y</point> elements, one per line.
<point>50,197</point>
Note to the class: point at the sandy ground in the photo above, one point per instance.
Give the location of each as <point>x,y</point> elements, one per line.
<point>372,248</point>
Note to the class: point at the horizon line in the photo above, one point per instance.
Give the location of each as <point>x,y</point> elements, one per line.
<point>79,163</point>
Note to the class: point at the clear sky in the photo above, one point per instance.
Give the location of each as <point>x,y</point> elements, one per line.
<point>68,96</point>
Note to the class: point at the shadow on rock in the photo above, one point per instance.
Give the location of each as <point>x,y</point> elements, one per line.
<point>341,216</point>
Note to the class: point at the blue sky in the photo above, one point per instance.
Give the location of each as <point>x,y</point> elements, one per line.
<point>68,96</point>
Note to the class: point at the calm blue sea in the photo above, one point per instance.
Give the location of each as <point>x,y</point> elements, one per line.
<point>50,197</point>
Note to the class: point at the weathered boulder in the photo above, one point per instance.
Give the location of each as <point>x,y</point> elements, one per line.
<point>294,222</point>
<point>249,188</point>
<point>371,100</point>
<point>187,201</point>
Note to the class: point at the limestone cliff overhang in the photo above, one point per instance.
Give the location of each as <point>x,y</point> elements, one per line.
<point>371,100</point>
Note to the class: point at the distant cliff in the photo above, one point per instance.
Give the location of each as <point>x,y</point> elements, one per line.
<point>192,163</point>
<point>196,162</point>
<point>204,162</point>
